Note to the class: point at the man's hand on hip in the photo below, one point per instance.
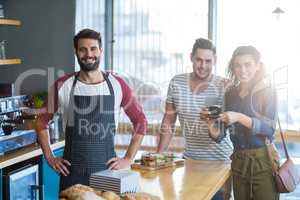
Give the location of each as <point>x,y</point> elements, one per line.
<point>60,165</point>
<point>119,163</point>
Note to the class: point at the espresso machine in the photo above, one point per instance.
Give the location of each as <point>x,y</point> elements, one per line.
<point>16,123</point>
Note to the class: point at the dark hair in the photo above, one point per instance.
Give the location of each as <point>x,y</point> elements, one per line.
<point>202,43</point>
<point>87,33</point>
<point>245,50</point>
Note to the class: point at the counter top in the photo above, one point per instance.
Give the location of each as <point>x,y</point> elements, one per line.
<point>25,153</point>
<point>196,180</point>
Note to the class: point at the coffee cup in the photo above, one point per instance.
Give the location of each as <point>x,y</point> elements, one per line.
<point>8,128</point>
<point>211,112</point>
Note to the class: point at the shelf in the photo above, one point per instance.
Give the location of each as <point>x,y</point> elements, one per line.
<point>10,61</point>
<point>10,22</point>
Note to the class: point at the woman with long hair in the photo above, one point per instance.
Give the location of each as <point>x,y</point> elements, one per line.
<point>250,113</point>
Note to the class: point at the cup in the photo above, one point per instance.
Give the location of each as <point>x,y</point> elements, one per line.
<point>8,128</point>
<point>211,112</point>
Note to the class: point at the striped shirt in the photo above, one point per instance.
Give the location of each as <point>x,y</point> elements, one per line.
<point>59,97</point>
<point>198,145</point>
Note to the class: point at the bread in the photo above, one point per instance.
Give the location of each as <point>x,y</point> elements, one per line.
<point>110,195</point>
<point>98,192</point>
<point>70,191</point>
<point>139,196</point>
<point>128,197</point>
<point>142,196</point>
<point>86,196</point>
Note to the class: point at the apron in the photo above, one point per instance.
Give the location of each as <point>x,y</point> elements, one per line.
<point>89,138</point>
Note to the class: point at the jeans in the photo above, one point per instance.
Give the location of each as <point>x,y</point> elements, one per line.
<point>218,196</point>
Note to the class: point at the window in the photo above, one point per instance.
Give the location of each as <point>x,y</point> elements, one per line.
<point>90,14</point>
<point>251,22</point>
<point>151,45</point>
<point>153,41</point>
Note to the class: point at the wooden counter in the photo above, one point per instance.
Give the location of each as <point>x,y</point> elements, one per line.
<point>25,153</point>
<point>196,180</point>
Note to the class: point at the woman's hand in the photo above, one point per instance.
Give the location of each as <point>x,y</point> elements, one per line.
<point>230,117</point>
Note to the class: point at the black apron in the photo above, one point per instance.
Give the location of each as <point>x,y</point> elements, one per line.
<point>89,137</point>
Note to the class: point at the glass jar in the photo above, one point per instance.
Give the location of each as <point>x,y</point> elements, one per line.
<point>2,49</point>
<point>1,11</point>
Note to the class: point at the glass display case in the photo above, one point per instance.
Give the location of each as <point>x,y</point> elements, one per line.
<point>23,181</point>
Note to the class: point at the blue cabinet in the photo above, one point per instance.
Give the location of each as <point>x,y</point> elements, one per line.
<point>51,178</point>
<point>1,186</point>
<point>22,180</point>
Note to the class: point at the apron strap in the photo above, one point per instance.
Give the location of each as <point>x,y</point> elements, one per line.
<point>110,87</point>
<point>71,101</point>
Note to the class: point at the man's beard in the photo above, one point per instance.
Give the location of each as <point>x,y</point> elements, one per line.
<point>87,67</point>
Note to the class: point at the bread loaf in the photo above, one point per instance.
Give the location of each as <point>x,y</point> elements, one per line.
<point>139,196</point>
<point>86,196</point>
<point>70,191</point>
<point>110,195</point>
<point>128,197</point>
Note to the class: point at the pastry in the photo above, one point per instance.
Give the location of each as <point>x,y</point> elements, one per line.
<point>139,196</point>
<point>153,159</point>
<point>128,197</point>
<point>98,192</point>
<point>142,196</point>
<point>108,195</point>
<point>86,196</point>
<point>67,193</point>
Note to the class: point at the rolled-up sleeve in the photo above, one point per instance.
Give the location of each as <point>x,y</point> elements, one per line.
<point>223,132</point>
<point>265,123</point>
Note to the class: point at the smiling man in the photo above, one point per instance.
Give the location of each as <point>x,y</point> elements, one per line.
<point>89,102</point>
<point>188,94</point>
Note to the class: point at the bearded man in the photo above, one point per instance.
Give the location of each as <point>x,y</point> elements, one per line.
<point>89,102</point>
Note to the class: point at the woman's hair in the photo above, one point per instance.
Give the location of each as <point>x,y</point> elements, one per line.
<point>246,50</point>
